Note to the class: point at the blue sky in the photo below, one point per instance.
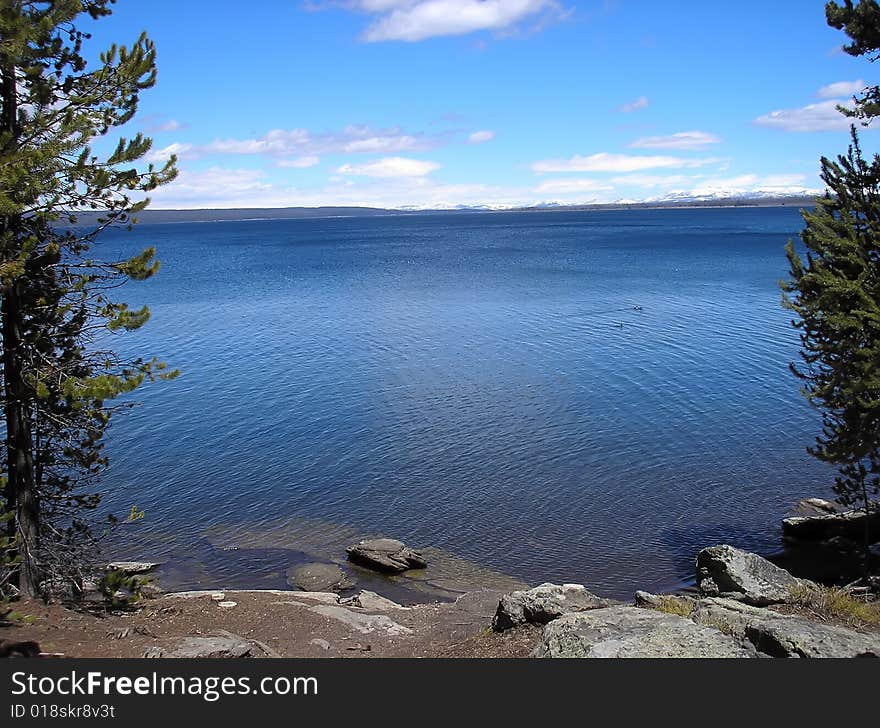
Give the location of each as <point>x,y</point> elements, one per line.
<point>437,103</point>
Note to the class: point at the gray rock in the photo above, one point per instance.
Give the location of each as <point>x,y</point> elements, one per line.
<point>480,604</point>
<point>543,604</point>
<point>647,599</point>
<point>790,637</point>
<point>133,567</point>
<point>780,635</point>
<point>730,572</point>
<point>319,578</point>
<point>322,597</point>
<point>632,632</point>
<point>815,507</point>
<point>849,524</point>
<point>728,615</point>
<point>372,602</point>
<point>210,647</point>
<point>386,554</point>
<point>318,642</point>
<point>150,591</point>
<point>363,623</point>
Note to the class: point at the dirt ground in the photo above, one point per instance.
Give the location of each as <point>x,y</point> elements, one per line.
<point>279,624</point>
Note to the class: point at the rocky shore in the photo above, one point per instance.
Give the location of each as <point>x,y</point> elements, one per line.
<point>745,607</point>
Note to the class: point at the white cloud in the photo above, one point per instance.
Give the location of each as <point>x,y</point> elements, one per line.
<point>573,186</point>
<point>390,167</point>
<point>155,124</point>
<point>247,188</point>
<point>840,89</point>
<point>822,116</point>
<point>415,20</point>
<point>275,142</point>
<point>651,180</point>
<point>353,139</point>
<point>183,151</point>
<point>605,162</point>
<point>685,140</point>
<point>479,137</point>
<point>214,187</point>
<point>299,162</point>
<point>640,103</point>
<point>383,144</point>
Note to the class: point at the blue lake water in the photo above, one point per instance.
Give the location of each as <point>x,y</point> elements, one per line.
<point>557,396</point>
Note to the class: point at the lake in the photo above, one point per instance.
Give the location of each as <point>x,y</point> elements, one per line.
<point>587,397</point>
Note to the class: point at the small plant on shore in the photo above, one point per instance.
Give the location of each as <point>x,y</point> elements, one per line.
<point>722,625</point>
<point>121,590</point>
<point>838,604</point>
<point>675,605</point>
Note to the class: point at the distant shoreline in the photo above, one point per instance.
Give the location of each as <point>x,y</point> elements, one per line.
<point>251,214</point>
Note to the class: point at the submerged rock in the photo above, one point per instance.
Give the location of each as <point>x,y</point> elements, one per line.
<point>543,604</point>
<point>632,632</point>
<point>386,554</point>
<point>731,572</point>
<point>319,578</point>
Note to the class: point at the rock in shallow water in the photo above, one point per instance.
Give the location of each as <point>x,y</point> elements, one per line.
<point>133,567</point>
<point>319,578</point>
<point>386,554</point>
<point>543,604</point>
<point>731,572</point>
<point>632,632</point>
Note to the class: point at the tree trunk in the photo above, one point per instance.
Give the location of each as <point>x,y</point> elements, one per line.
<point>21,491</point>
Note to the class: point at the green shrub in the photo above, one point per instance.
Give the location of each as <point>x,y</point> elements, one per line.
<point>121,590</point>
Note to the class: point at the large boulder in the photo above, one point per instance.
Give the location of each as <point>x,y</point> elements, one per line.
<point>731,572</point>
<point>385,554</point>
<point>632,632</point>
<point>821,527</point>
<point>543,604</point>
<point>319,578</point>
<point>791,637</point>
<point>781,635</point>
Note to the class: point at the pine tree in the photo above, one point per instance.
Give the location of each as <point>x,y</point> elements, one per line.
<point>54,296</point>
<point>836,294</point>
<point>861,22</point>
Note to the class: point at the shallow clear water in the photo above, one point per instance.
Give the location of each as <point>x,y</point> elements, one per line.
<point>479,383</point>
